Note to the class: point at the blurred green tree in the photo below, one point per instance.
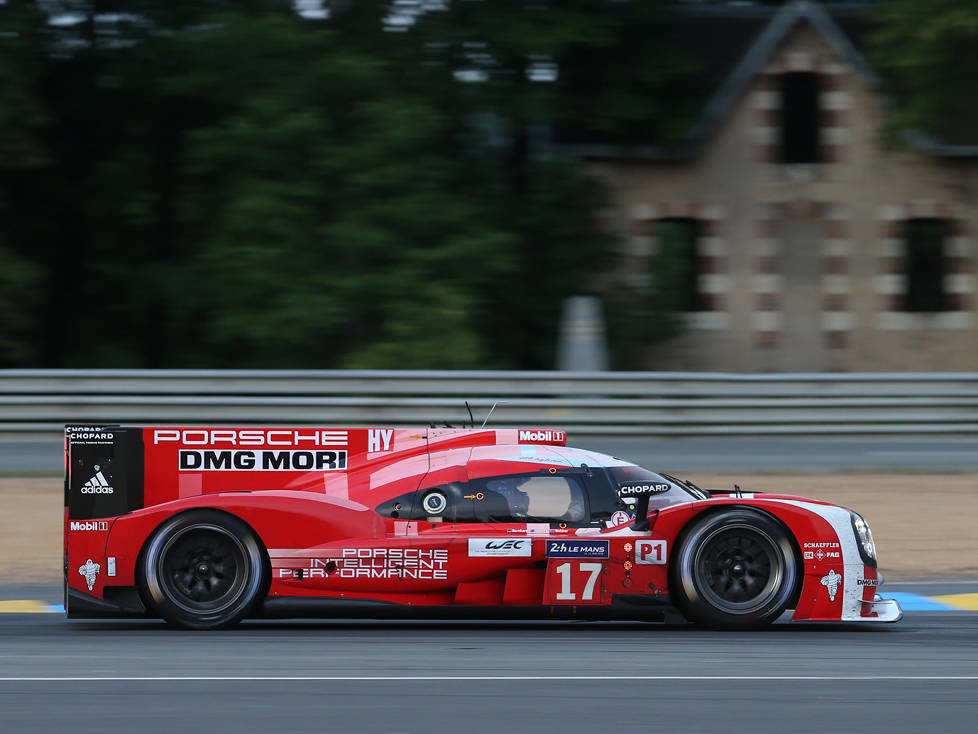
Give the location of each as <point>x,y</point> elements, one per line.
<point>521,76</point>
<point>23,155</point>
<point>335,227</point>
<point>18,282</point>
<point>233,184</point>
<point>928,55</point>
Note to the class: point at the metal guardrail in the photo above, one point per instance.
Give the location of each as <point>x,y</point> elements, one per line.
<point>37,402</point>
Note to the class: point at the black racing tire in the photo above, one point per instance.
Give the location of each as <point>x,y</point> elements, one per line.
<point>735,569</point>
<point>202,570</point>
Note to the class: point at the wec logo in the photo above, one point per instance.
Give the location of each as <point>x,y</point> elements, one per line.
<point>505,544</point>
<point>499,547</point>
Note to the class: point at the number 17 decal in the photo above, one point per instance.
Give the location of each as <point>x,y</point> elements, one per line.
<point>575,582</point>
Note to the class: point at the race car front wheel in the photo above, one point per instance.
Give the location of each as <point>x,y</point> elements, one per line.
<point>203,570</point>
<point>734,569</point>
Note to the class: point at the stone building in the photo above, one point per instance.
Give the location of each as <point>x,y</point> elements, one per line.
<point>815,247</point>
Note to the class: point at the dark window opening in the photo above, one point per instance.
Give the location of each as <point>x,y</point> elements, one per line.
<point>799,118</point>
<point>678,263</point>
<point>529,498</point>
<point>510,498</point>
<point>925,265</point>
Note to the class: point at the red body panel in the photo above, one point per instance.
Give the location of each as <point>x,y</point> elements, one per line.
<point>312,497</point>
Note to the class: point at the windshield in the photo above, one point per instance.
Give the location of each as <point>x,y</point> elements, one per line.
<point>697,492</point>
<point>668,490</point>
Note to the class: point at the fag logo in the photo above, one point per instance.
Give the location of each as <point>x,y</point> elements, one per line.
<point>831,582</point>
<point>89,570</point>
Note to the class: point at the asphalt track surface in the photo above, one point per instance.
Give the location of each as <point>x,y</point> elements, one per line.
<point>918,675</point>
<point>691,454</point>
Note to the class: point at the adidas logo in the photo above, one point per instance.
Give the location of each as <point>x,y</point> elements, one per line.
<point>97,484</point>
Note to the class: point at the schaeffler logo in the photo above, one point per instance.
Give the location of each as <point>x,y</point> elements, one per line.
<point>89,570</point>
<point>831,582</point>
<point>97,484</point>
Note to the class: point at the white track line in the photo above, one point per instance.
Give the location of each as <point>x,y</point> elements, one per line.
<point>294,678</point>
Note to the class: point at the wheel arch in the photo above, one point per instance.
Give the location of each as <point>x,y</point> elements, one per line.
<point>686,527</point>
<point>139,575</point>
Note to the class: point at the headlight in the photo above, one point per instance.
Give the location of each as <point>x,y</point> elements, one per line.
<point>864,540</point>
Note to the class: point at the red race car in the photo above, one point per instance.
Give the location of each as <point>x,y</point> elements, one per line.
<point>204,526</point>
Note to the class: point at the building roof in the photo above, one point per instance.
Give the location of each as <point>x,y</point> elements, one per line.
<point>735,42</point>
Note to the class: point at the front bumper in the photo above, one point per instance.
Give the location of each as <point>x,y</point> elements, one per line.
<point>885,610</point>
<point>850,596</point>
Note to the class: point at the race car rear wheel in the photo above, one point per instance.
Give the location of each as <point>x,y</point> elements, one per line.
<point>203,570</point>
<point>735,569</point>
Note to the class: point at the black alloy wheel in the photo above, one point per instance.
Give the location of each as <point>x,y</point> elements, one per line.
<point>735,569</point>
<point>203,570</point>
